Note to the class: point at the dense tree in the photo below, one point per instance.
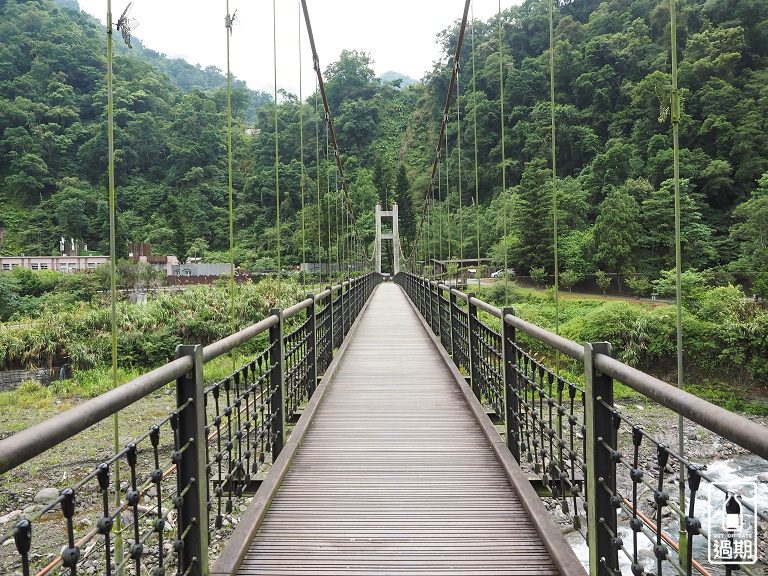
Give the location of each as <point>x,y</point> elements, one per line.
<point>406,217</point>
<point>616,233</point>
<point>613,142</point>
<point>658,218</point>
<point>531,218</point>
<point>751,229</point>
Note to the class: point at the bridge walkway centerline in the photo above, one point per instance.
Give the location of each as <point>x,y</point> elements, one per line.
<point>396,471</point>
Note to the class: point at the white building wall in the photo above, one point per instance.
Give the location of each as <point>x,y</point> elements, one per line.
<point>63,264</point>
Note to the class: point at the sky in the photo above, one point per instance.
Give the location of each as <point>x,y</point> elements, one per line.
<point>398,35</point>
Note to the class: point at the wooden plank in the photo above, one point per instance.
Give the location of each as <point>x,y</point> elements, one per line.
<point>394,475</point>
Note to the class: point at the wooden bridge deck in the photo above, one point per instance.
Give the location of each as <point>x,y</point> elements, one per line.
<point>394,474</point>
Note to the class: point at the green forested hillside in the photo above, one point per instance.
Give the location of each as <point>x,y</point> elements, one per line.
<point>614,149</point>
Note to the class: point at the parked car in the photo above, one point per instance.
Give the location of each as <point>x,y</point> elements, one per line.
<point>500,273</point>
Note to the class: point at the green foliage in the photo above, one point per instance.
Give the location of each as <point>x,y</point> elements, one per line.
<point>693,285</point>
<point>501,293</point>
<point>147,334</point>
<point>602,280</point>
<point>538,276</point>
<point>570,277</point>
<point>760,285</point>
<point>265,263</point>
<point>406,217</point>
<point>751,230</point>
<point>616,231</point>
<point>638,285</point>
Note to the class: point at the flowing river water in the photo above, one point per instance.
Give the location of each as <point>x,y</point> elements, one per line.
<point>746,473</point>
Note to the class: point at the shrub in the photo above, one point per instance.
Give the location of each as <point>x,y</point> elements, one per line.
<point>603,280</point>
<point>501,293</point>
<point>569,278</point>
<point>638,285</point>
<point>538,275</point>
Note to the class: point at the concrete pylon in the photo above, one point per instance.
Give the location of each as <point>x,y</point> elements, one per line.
<point>394,236</point>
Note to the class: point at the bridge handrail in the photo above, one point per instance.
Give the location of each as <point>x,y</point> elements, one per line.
<point>33,441</point>
<point>734,427</point>
<point>570,437</point>
<point>729,425</point>
<point>250,406</point>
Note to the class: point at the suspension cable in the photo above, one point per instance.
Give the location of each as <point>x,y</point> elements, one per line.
<point>446,110</point>
<point>277,146</point>
<point>329,121</point>
<point>113,270</point>
<point>458,166</point>
<point>447,206</point>
<point>503,152</point>
<point>554,162</point>
<point>674,107</point>
<point>317,181</point>
<point>328,197</point>
<point>228,22</point>
<point>474,122</point>
<point>301,156</point>
<point>336,218</point>
<point>438,210</point>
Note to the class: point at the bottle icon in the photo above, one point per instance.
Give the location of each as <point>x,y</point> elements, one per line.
<point>732,512</point>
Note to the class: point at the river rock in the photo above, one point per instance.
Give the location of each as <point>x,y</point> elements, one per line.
<point>10,517</point>
<point>46,495</point>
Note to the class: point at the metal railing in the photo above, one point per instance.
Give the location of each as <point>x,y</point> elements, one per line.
<point>187,472</point>
<point>608,477</point>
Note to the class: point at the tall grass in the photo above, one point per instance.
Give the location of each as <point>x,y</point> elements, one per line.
<point>147,333</point>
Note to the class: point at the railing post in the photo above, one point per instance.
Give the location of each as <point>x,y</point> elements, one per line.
<point>454,325</point>
<point>359,297</point>
<point>327,338</point>
<point>277,383</point>
<point>191,474</point>
<point>447,338</point>
<point>601,468</point>
<point>355,310</point>
<point>342,310</point>
<point>452,322</point>
<point>347,303</point>
<point>511,390</point>
<point>474,360</point>
<point>422,289</point>
<point>435,306</point>
<point>312,346</point>
<point>330,316</point>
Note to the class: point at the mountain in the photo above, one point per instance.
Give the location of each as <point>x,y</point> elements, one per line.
<point>390,77</point>
<point>614,156</point>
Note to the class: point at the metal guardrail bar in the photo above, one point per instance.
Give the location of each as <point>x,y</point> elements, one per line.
<point>492,310</point>
<point>567,347</point>
<point>231,342</point>
<point>304,304</point>
<point>321,295</point>
<point>33,441</point>
<point>734,427</point>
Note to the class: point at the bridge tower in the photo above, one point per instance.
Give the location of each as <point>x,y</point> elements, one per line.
<point>394,236</point>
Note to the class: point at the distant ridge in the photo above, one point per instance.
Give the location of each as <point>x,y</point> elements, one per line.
<point>391,76</point>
